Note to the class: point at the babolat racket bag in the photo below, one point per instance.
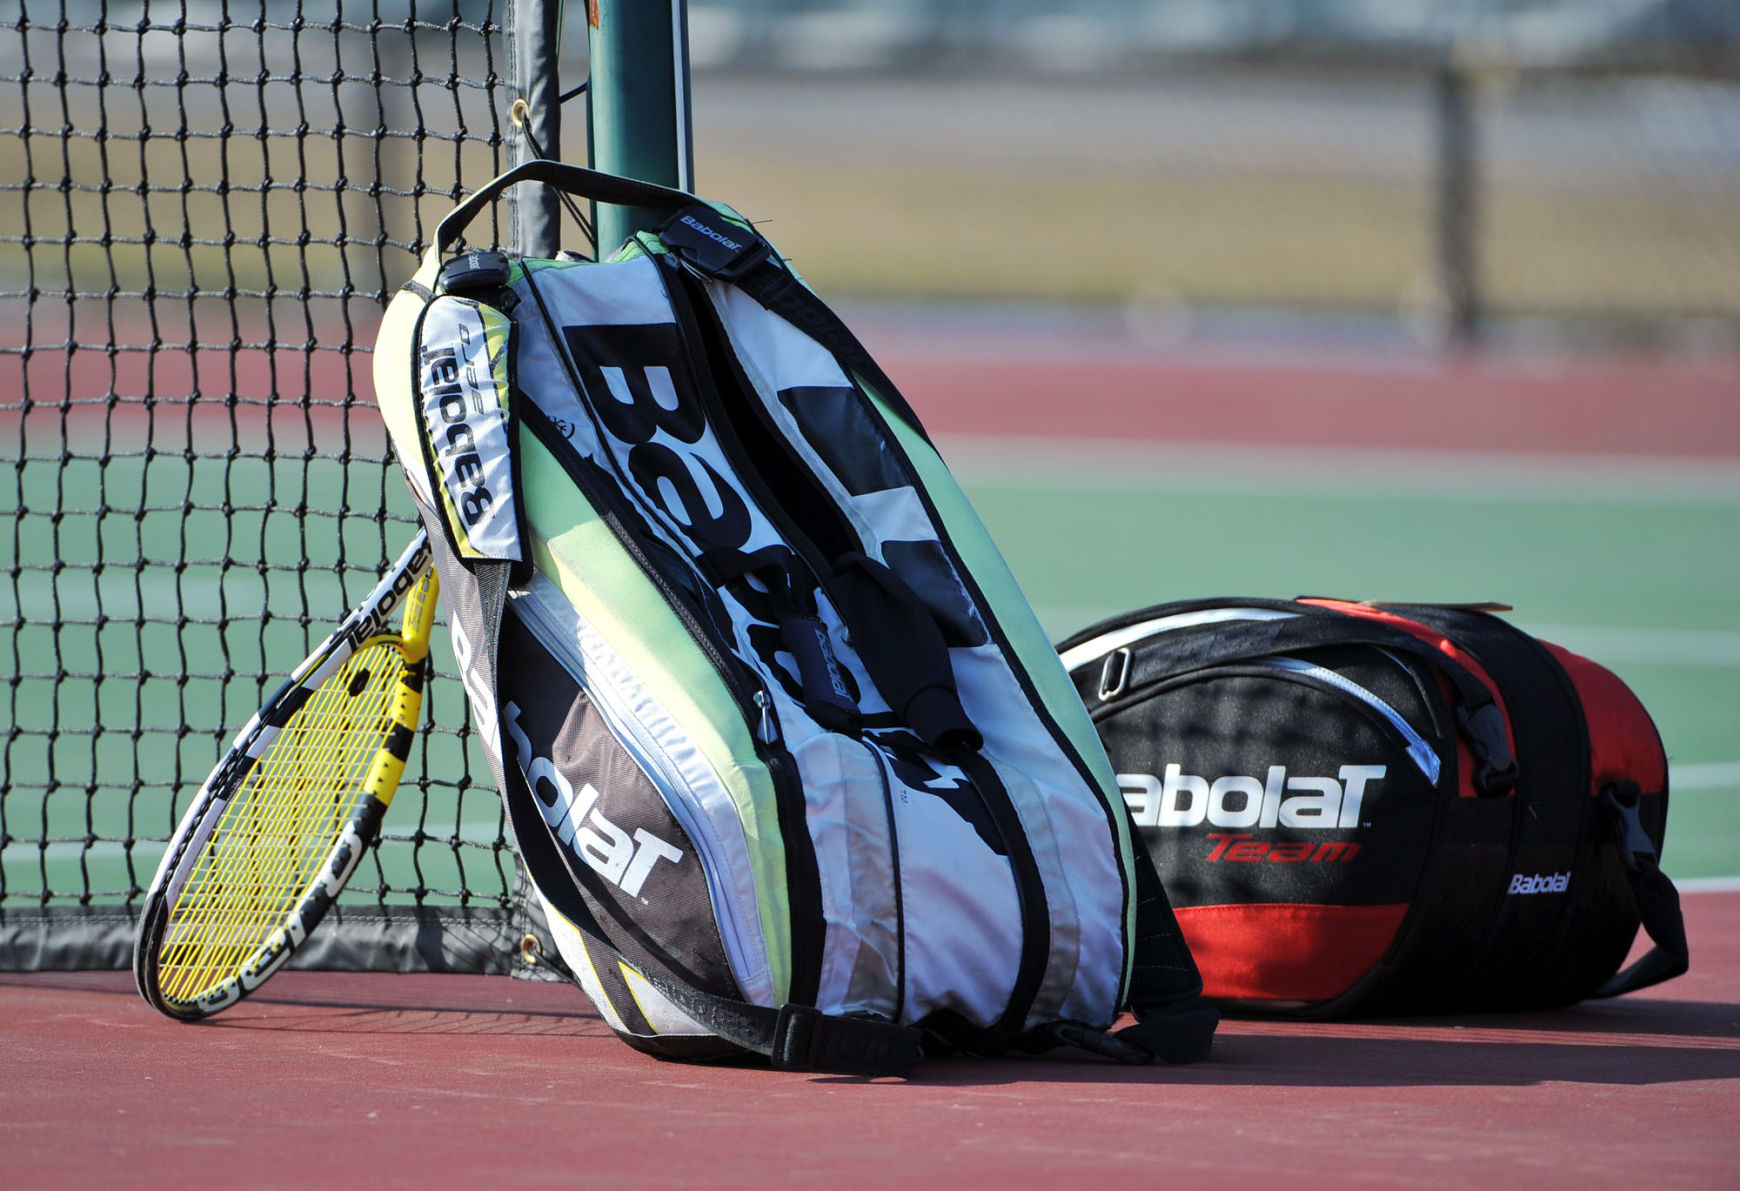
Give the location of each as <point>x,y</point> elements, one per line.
<point>785,753</point>
<point>1382,809</point>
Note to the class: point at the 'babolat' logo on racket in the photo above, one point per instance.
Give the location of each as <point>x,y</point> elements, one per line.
<point>1184,800</point>
<point>373,620</point>
<point>462,369</point>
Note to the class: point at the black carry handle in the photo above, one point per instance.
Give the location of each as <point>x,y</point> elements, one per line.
<point>572,179</point>
<point>1658,902</point>
<point>708,242</point>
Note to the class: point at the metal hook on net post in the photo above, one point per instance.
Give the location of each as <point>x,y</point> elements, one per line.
<point>519,114</point>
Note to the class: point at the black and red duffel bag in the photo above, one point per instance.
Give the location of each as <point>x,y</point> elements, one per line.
<point>1372,809</point>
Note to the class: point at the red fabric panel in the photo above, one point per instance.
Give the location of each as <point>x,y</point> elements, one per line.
<point>1447,647</point>
<point>1283,952</point>
<point>1623,742</point>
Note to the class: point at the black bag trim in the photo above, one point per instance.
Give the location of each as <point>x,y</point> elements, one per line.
<point>1173,1022</point>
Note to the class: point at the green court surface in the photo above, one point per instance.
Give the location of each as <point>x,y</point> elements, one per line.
<point>1635,567</point>
<point>1638,568</point>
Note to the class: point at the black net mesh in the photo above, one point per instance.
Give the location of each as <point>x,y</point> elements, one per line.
<point>202,212</point>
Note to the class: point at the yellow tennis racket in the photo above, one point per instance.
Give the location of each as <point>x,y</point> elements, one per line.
<point>281,823</point>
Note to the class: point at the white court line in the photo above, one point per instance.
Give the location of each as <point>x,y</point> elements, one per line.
<point>1706,775</point>
<point>1708,885</point>
<point>1606,644</point>
<point>1661,647</point>
<point>1480,477</point>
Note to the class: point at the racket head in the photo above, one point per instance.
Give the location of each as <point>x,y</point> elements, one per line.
<point>276,831</point>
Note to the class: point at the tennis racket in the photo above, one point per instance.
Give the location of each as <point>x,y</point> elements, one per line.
<point>281,823</point>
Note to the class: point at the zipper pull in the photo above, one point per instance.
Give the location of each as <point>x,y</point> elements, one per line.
<point>768,732</point>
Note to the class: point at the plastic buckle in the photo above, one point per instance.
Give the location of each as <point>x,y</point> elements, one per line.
<point>806,1039</point>
<point>1114,674</point>
<point>797,1037</point>
<point>1098,1042</point>
<point>474,271</point>
<point>1634,842</point>
<point>1494,766</point>
<point>700,237</point>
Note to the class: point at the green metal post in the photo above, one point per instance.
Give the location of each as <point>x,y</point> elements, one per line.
<point>534,50</point>
<point>638,107</point>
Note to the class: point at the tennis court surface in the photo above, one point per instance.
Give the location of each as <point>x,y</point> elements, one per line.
<point>1618,538</point>
<point>325,1079</point>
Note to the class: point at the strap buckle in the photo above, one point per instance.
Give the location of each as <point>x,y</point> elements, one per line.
<point>1494,764</point>
<point>806,1039</point>
<point>699,237</point>
<point>1635,846</point>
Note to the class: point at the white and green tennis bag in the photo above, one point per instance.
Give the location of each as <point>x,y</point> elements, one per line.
<point>786,755</point>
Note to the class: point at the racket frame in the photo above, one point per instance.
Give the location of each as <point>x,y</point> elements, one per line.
<point>409,588</point>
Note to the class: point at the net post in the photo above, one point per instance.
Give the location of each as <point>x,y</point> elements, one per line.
<point>534,49</point>
<point>639,104</point>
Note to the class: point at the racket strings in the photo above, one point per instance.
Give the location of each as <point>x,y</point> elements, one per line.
<point>280,827</point>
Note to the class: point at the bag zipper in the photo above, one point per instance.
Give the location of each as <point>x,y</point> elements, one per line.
<point>1419,750</point>
<point>561,643</point>
<point>749,693</point>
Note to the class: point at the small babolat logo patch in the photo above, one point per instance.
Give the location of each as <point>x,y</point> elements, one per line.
<point>713,234</point>
<point>1540,883</point>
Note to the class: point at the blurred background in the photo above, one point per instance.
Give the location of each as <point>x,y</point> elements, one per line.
<point>1436,171</point>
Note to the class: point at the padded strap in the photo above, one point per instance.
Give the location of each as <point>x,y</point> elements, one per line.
<point>917,680</point>
<point>1658,902</point>
<point>778,290</point>
<point>1172,1021</point>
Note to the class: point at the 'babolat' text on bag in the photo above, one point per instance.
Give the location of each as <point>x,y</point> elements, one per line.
<point>785,753</point>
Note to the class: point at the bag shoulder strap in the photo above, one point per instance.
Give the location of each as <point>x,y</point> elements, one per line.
<point>1172,1020</point>
<point>1658,902</point>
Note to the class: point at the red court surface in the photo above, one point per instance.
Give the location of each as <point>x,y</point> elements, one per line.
<point>467,1081</point>
<point>1610,408</point>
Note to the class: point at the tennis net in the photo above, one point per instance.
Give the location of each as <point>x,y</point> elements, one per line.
<point>202,212</point>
